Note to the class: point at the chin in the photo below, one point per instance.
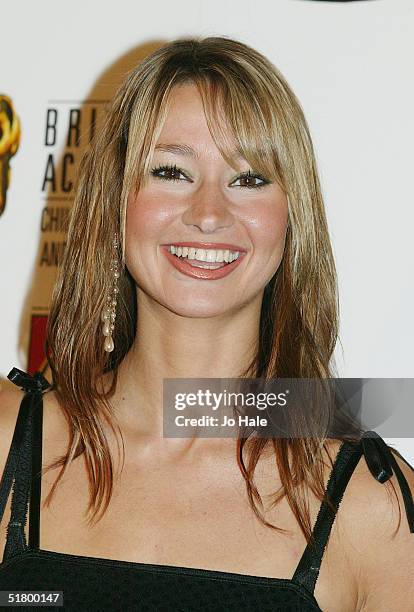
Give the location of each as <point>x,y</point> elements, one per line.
<point>198,308</point>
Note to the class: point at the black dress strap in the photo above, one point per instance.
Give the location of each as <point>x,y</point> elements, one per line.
<point>22,471</point>
<point>381,463</point>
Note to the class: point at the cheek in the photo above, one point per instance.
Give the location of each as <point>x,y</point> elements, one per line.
<point>267,225</point>
<point>146,217</point>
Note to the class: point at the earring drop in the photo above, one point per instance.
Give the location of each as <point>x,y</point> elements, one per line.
<point>109,312</point>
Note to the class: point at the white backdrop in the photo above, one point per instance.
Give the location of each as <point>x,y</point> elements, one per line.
<point>350,65</point>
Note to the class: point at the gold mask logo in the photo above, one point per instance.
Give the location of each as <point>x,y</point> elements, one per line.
<point>9,143</point>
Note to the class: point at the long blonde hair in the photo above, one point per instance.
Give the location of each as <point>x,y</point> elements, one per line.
<point>242,92</point>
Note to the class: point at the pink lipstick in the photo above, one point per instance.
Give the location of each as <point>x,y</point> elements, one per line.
<point>201,269</point>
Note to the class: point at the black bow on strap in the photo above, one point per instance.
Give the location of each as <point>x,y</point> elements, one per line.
<point>376,453</point>
<point>36,383</point>
<point>382,465</point>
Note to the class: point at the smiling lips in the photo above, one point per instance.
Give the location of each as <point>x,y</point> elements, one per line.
<point>208,261</point>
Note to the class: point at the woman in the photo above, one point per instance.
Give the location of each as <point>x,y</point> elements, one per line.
<point>205,156</point>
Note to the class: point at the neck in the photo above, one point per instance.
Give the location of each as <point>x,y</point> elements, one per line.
<point>168,345</point>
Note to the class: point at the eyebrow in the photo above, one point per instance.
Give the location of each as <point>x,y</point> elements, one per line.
<point>186,150</point>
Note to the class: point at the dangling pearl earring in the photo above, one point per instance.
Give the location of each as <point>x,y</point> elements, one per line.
<point>109,312</point>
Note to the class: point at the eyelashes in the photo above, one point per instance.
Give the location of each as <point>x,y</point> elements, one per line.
<point>174,171</point>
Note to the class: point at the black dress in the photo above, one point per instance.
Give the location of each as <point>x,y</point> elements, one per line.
<point>90,583</point>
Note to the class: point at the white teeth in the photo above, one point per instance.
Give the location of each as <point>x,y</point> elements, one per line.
<point>207,255</point>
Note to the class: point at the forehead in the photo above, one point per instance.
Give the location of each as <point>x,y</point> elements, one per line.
<point>185,131</point>
<point>185,150</point>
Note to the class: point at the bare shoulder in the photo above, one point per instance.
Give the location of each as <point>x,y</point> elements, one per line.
<point>378,542</point>
<point>10,399</point>
<point>53,422</point>
<point>368,503</point>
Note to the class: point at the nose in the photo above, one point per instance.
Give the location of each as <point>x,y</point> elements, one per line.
<point>208,210</point>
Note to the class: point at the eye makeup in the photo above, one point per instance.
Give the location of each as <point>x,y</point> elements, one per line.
<point>172,171</point>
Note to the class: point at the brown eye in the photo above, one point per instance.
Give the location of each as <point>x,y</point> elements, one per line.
<point>171,173</point>
<point>248,179</point>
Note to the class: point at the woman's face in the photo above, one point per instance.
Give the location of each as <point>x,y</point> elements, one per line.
<point>204,205</point>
